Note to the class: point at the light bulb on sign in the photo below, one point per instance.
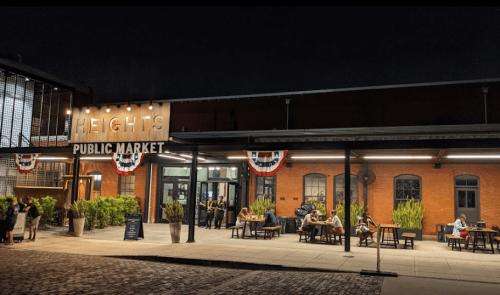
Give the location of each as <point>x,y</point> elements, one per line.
<point>87,110</point>
<point>108,109</point>
<point>128,108</point>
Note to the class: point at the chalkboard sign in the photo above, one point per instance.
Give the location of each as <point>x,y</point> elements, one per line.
<point>133,227</point>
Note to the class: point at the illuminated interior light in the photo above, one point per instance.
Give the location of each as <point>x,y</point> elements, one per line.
<point>199,168</point>
<point>233,168</point>
<point>217,168</point>
<point>172,157</point>
<point>236,157</point>
<point>52,158</point>
<point>199,158</point>
<point>473,156</point>
<point>211,168</point>
<point>317,157</point>
<point>95,158</point>
<point>68,112</point>
<point>55,88</point>
<point>27,79</point>
<point>398,157</point>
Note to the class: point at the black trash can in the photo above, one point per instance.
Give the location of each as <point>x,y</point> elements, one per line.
<point>290,225</point>
<point>282,222</point>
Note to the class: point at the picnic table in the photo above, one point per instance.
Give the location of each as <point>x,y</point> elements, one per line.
<point>483,232</point>
<point>389,228</point>
<point>252,223</point>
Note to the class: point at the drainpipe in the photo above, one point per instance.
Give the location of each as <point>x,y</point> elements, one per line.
<point>485,91</point>
<point>287,111</point>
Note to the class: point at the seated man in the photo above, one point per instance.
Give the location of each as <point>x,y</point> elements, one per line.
<point>363,228</point>
<point>309,224</point>
<point>335,226</point>
<point>270,218</point>
<point>460,229</point>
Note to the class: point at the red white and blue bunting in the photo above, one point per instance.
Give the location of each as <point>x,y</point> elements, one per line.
<point>126,164</point>
<point>265,163</point>
<point>25,163</point>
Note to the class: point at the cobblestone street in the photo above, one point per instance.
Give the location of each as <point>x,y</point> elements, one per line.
<point>37,272</point>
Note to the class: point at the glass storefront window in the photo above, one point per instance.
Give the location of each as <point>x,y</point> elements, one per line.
<point>230,173</point>
<point>340,186</point>
<point>315,188</point>
<point>176,171</point>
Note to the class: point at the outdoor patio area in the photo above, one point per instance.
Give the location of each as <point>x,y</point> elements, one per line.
<point>429,258</point>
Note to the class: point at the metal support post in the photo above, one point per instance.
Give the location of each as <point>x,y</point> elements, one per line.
<point>347,194</point>
<point>192,196</point>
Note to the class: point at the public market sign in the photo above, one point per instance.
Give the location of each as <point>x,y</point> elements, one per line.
<point>140,124</point>
<point>155,147</point>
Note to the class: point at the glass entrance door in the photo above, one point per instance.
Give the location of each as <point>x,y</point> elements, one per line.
<point>232,198</point>
<point>203,198</point>
<point>467,203</point>
<point>175,190</point>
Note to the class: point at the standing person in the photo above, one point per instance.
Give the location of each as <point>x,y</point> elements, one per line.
<point>219,215</point>
<point>309,224</point>
<point>335,225</point>
<point>210,212</point>
<point>35,215</point>
<point>21,204</point>
<point>12,212</point>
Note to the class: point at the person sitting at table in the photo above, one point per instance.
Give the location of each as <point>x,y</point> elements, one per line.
<point>459,229</point>
<point>270,218</point>
<point>335,226</point>
<point>240,221</point>
<point>309,224</point>
<point>363,228</point>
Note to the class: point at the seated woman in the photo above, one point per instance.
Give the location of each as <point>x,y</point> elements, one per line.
<point>335,226</point>
<point>240,221</point>
<point>363,228</point>
<point>459,229</point>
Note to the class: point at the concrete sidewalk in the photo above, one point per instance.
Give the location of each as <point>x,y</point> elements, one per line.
<point>430,262</point>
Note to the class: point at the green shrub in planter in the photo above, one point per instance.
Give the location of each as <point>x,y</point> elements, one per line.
<point>319,206</point>
<point>409,214</point>
<point>103,213</point>
<point>174,212</point>
<point>356,210</point>
<point>90,214</point>
<point>259,207</point>
<point>47,209</point>
<point>78,209</point>
<point>129,206</point>
<point>3,202</point>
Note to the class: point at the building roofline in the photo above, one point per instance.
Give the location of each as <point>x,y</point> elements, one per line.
<point>33,73</point>
<point>290,93</point>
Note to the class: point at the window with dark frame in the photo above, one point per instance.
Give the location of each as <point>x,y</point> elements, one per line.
<point>314,188</point>
<point>339,187</point>
<point>97,179</point>
<point>467,198</point>
<point>407,187</point>
<point>126,185</point>
<point>265,187</point>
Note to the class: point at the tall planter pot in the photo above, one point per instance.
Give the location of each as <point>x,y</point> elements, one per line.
<point>78,224</point>
<point>416,231</point>
<point>175,231</point>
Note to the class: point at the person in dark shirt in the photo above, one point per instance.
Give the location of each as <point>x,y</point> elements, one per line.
<point>11,220</point>
<point>270,218</point>
<point>21,204</point>
<point>35,215</point>
<point>219,215</point>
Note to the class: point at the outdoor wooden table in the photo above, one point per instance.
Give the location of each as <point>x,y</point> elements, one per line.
<point>395,238</point>
<point>252,223</point>
<point>483,232</point>
<point>323,230</point>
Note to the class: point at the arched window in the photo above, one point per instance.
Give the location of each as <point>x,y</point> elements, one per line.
<point>97,179</point>
<point>315,188</point>
<point>339,187</point>
<point>265,187</point>
<point>126,185</point>
<point>407,187</point>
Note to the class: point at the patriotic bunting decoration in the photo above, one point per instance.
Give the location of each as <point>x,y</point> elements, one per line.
<point>126,164</point>
<point>25,163</point>
<point>265,163</point>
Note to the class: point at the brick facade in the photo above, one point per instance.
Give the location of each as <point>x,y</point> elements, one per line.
<point>437,189</point>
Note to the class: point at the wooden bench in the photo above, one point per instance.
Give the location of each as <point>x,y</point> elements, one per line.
<point>303,232</point>
<point>235,228</point>
<point>410,237</point>
<point>340,235</point>
<point>497,238</point>
<point>453,240</point>
<point>269,231</point>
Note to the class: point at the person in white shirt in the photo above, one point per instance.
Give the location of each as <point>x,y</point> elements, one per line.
<point>335,225</point>
<point>309,224</point>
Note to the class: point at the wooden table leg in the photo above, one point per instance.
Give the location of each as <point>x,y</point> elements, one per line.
<point>490,236</point>
<point>394,234</point>
<point>474,243</point>
<point>244,228</point>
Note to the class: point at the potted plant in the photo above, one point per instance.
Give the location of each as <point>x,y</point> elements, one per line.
<point>320,206</point>
<point>356,210</point>
<point>174,212</point>
<point>78,210</point>
<point>409,216</point>
<point>259,206</point>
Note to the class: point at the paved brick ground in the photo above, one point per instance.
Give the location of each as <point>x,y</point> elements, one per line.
<point>37,272</point>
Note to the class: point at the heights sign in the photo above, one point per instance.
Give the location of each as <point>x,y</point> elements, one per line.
<point>102,132</point>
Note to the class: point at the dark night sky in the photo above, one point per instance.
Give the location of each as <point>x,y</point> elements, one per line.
<point>134,53</point>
